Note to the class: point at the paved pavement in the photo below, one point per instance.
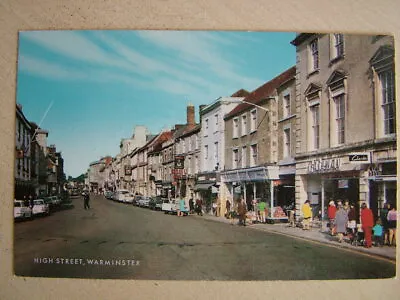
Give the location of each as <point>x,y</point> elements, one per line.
<point>315,234</point>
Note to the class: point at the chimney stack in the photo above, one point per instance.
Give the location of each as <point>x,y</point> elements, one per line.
<point>190,120</point>
<point>200,109</point>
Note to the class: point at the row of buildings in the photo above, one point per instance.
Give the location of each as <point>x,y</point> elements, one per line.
<point>325,129</point>
<point>39,168</point>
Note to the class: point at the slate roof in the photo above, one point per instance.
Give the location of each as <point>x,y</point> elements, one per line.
<point>240,93</point>
<point>263,92</point>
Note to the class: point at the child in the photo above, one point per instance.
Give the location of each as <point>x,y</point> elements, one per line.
<point>378,233</point>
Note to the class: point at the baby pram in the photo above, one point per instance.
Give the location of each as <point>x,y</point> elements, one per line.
<point>356,236</point>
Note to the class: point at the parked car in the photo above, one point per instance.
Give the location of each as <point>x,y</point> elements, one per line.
<point>40,207</point>
<point>169,206</point>
<point>136,200</point>
<point>120,195</point>
<point>172,207</point>
<point>56,200</point>
<point>144,201</point>
<point>155,203</point>
<point>22,210</point>
<point>129,198</point>
<point>75,192</point>
<point>49,201</point>
<point>108,195</point>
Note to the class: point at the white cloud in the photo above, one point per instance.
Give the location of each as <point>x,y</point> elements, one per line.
<point>201,48</point>
<point>68,43</point>
<point>48,70</point>
<point>192,70</point>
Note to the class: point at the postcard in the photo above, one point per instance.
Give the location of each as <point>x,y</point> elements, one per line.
<point>205,155</point>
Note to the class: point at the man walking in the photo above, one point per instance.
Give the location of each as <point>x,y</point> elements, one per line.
<point>261,209</point>
<point>191,205</point>
<point>367,222</point>
<point>86,199</point>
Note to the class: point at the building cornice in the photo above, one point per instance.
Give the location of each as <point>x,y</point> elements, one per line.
<point>349,147</point>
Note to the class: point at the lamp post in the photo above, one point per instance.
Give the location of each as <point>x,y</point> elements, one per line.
<point>227,101</point>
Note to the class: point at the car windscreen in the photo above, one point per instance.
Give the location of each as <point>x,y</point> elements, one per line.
<point>17,204</point>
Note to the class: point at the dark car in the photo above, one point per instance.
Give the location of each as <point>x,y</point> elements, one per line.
<point>156,203</point>
<point>108,195</point>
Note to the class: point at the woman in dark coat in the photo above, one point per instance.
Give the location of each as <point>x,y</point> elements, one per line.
<point>341,220</point>
<point>242,212</point>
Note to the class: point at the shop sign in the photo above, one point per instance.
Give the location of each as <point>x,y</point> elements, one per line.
<point>128,170</point>
<point>343,184</point>
<point>359,157</point>
<point>179,161</point>
<point>323,165</point>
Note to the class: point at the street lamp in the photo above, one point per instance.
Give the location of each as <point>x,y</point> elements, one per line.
<point>227,101</point>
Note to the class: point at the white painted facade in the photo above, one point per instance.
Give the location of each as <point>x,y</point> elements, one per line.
<point>212,133</point>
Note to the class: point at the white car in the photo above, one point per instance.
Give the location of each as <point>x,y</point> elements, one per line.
<point>21,210</point>
<point>120,195</point>
<point>40,207</point>
<point>169,206</point>
<point>129,198</point>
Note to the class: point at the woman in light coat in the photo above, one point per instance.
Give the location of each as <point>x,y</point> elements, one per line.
<point>341,220</point>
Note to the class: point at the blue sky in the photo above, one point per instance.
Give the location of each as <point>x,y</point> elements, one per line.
<point>100,84</point>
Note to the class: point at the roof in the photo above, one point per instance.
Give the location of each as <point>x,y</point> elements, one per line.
<point>240,93</point>
<point>300,38</point>
<point>181,130</point>
<point>263,92</point>
<point>164,136</point>
<point>191,130</point>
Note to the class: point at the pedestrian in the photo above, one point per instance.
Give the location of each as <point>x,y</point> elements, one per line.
<point>341,219</point>
<point>307,215</point>
<point>352,224</point>
<point>383,215</point>
<point>346,206</point>
<point>199,210</point>
<point>392,223</point>
<point>191,205</point>
<point>378,233</point>
<point>86,199</point>
<point>30,201</point>
<point>214,208</point>
<point>228,208</point>
<point>367,221</point>
<point>181,207</point>
<point>331,216</point>
<point>261,209</point>
<point>242,209</point>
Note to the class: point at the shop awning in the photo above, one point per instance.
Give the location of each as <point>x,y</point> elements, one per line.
<point>202,186</point>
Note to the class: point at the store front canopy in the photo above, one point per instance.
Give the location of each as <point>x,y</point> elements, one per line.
<point>202,186</point>
<point>251,174</point>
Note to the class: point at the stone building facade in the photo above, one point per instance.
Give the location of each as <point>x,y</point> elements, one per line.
<point>251,145</point>
<point>345,115</point>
